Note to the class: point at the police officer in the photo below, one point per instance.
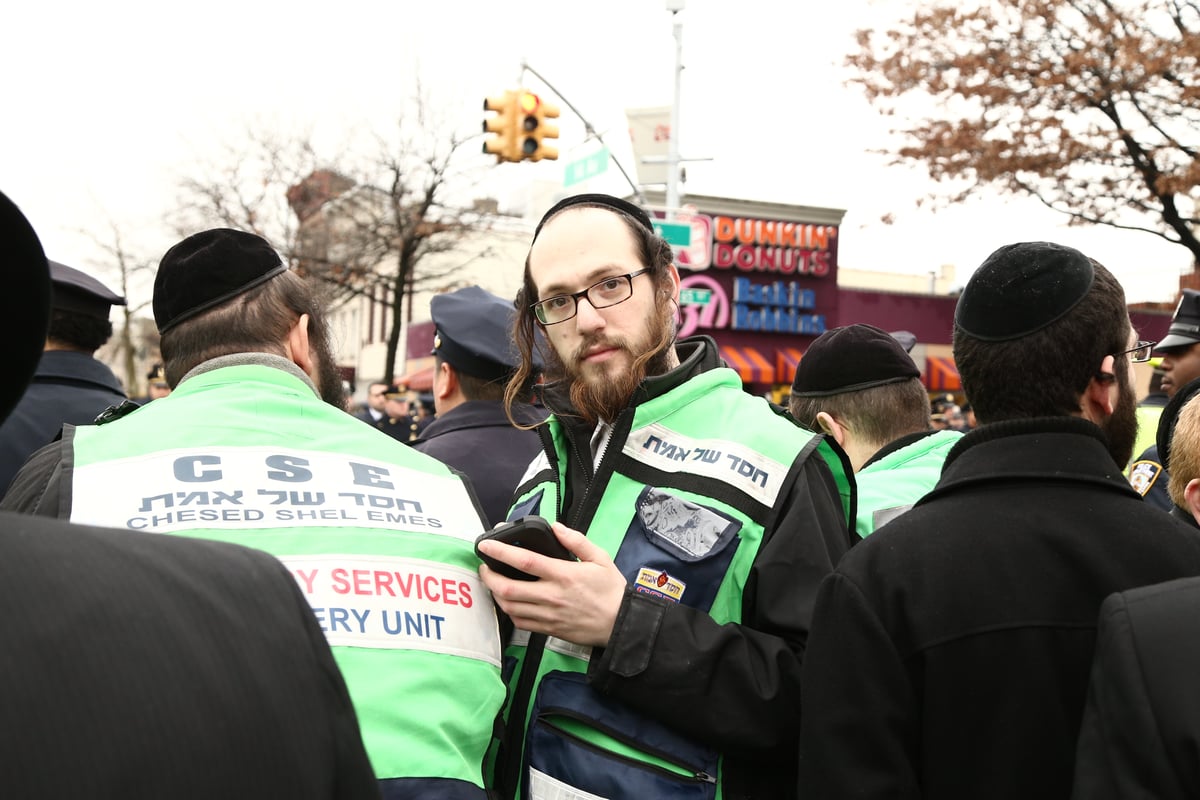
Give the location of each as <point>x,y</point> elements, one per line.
<point>400,420</point>
<point>70,386</point>
<point>1180,351</point>
<point>474,358</point>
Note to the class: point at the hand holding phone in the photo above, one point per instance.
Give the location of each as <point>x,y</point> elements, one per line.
<point>532,533</point>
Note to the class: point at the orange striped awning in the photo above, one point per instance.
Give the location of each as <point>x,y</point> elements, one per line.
<point>941,375</point>
<point>787,361</point>
<point>419,377</point>
<point>752,365</point>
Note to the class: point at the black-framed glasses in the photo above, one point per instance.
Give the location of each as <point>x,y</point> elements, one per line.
<point>602,294</point>
<point>1139,353</point>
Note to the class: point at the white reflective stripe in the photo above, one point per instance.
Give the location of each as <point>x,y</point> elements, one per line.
<point>539,463</point>
<point>729,462</point>
<point>386,602</point>
<point>544,787</point>
<point>236,488</point>
<point>520,638</point>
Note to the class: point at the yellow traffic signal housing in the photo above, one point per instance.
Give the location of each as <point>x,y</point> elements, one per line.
<point>534,129</point>
<point>506,144</point>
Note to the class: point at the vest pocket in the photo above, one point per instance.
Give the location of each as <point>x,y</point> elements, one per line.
<point>580,741</point>
<point>677,549</point>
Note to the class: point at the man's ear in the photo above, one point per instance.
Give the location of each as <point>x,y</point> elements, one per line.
<point>447,381</point>
<point>1191,496</point>
<point>673,271</point>
<point>1100,397</point>
<point>832,427</point>
<point>298,349</point>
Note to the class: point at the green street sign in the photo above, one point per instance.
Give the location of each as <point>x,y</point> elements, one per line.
<point>586,167</point>
<point>694,297</point>
<point>678,234</point>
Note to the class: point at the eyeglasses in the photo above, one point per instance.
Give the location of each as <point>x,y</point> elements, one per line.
<point>1139,353</point>
<point>605,293</point>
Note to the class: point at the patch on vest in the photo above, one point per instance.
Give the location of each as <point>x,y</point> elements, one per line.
<point>658,583</point>
<point>733,463</point>
<point>1143,474</point>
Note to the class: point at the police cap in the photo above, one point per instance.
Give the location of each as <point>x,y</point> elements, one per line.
<point>81,293</point>
<point>1185,325</point>
<point>473,333</point>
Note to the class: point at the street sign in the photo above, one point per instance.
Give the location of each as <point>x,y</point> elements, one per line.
<point>586,167</point>
<point>678,234</point>
<point>694,297</point>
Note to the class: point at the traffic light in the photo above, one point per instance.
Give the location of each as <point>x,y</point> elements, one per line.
<point>535,130</point>
<point>505,145</point>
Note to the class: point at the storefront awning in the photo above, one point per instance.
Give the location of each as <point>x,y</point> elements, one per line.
<point>941,375</point>
<point>752,365</point>
<point>787,360</point>
<point>419,377</point>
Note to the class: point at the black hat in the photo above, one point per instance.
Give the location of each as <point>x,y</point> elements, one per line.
<point>1021,288</point>
<point>851,358</point>
<point>79,292</point>
<point>597,201</point>
<point>474,333</point>
<point>1185,325</point>
<point>24,303</point>
<point>208,269</point>
<point>396,390</point>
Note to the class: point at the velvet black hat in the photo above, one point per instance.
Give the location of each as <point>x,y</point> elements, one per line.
<point>24,303</point>
<point>473,333</point>
<point>597,200</point>
<point>207,269</point>
<point>81,293</point>
<point>1185,325</point>
<point>1021,288</point>
<point>851,358</point>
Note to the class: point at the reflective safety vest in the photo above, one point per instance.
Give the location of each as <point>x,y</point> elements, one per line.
<point>379,538</point>
<point>682,514</point>
<point>890,486</point>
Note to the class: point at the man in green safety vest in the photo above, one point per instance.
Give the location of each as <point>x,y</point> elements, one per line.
<point>252,446</point>
<point>665,661</point>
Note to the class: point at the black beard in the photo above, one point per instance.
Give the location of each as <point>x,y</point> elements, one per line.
<point>1122,427</point>
<point>328,381</point>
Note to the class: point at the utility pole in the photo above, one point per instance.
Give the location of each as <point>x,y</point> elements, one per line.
<point>675,6</point>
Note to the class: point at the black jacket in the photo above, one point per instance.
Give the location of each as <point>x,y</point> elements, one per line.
<point>477,439</point>
<point>68,387</point>
<point>143,666</point>
<point>950,651</point>
<point>1141,728</point>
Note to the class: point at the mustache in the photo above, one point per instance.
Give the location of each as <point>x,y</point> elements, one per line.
<point>593,342</point>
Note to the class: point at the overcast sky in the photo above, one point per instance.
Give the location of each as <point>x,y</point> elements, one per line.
<point>106,104</point>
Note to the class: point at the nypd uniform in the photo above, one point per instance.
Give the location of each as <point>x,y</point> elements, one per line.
<point>474,336</point>
<point>1148,473</point>
<point>69,386</point>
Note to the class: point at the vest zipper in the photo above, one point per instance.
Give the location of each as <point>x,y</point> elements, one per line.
<point>689,773</point>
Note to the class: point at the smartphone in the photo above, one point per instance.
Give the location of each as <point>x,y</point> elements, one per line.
<point>532,533</point>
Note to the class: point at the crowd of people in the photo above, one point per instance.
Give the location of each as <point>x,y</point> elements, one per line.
<point>858,596</point>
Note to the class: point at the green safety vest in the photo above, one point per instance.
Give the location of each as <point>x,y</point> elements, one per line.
<point>693,541</point>
<point>890,486</point>
<point>379,537</point>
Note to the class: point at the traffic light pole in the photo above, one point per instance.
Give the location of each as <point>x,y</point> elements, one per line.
<point>591,131</point>
<point>674,6</point>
